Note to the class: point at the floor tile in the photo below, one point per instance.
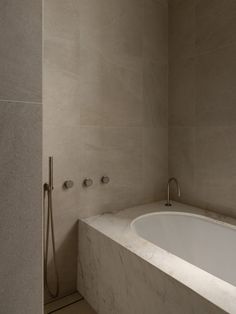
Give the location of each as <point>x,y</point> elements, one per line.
<point>80,307</point>
<point>57,304</point>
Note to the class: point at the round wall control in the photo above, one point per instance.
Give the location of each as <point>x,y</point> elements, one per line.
<point>105,179</point>
<point>68,184</point>
<point>87,182</point>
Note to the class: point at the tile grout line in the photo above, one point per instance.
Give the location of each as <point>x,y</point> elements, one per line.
<point>21,101</point>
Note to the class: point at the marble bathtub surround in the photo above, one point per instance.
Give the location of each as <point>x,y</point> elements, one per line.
<point>147,279</point>
<point>105,110</point>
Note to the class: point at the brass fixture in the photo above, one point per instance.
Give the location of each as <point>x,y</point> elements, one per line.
<point>87,182</point>
<point>168,190</point>
<point>105,179</point>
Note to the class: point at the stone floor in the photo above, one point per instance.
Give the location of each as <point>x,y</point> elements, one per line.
<point>72,304</point>
<point>80,307</point>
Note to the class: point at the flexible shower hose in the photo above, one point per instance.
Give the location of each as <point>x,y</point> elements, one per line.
<point>48,214</point>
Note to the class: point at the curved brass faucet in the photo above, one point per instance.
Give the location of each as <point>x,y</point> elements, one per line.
<point>168,190</point>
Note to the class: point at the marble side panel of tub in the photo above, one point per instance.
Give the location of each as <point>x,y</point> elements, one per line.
<point>116,281</point>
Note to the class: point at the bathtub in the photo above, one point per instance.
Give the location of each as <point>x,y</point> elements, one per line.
<point>204,242</point>
<point>152,259</point>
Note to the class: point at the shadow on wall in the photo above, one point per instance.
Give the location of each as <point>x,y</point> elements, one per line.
<point>66,251</point>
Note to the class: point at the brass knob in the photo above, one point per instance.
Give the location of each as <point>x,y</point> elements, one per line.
<point>68,184</point>
<point>87,182</point>
<point>105,179</point>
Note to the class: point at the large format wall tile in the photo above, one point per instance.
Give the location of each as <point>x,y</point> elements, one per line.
<point>21,50</point>
<point>155,30</point>
<point>19,146</point>
<point>216,96</point>
<point>182,28</point>
<point>155,94</point>
<point>60,88</point>
<point>61,19</point>
<point>20,203</point>
<point>215,152</point>
<point>105,152</point>
<point>182,98</point>
<point>154,163</point>
<point>113,29</point>
<point>215,24</point>
<point>215,175</point>
<point>110,94</point>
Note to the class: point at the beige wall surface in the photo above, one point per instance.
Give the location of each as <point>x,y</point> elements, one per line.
<point>202,98</point>
<point>105,110</point>
<point>105,100</point>
<point>21,156</point>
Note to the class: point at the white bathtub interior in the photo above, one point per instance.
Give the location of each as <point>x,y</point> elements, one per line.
<point>202,241</point>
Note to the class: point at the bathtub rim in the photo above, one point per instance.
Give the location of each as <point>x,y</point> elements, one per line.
<point>116,226</point>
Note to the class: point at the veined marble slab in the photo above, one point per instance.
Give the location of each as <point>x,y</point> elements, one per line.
<point>121,273</point>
